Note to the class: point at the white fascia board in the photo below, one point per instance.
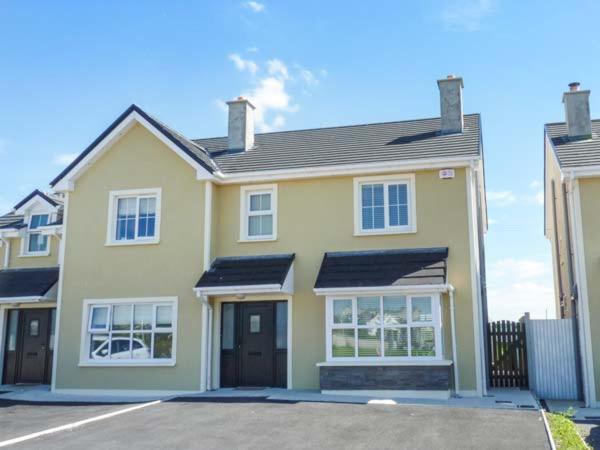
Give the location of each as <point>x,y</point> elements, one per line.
<point>50,230</point>
<point>32,202</point>
<point>582,172</point>
<point>67,183</point>
<point>345,169</point>
<point>234,290</point>
<point>11,233</point>
<point>31,299</point>
<point>383,289</point>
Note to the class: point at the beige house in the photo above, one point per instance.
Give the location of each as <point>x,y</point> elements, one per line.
<point>346,259</point>
<point>29,271</point>
<point>572,185</point>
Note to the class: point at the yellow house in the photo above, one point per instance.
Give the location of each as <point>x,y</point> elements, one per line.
<point>572,190</point>
<point>345,259</point>
<point>29,274</point>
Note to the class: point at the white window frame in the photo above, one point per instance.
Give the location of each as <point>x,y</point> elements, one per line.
<point>25,239</point>
<point>86,331</point>
<point>386,180</point>
<point>436,323</point>
<point>245,193</point>
<point>113,203</point>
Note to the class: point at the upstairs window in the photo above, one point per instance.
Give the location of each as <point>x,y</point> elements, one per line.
<point>258,211</point>
<point>384,205</point>
<point>37,243</point>
<point>134,217</point>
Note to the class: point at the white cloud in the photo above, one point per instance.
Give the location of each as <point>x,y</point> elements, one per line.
<point>467,15</point>
<point>501,198</point>
<point>221,104</point>
<point>270,95</point>
<point>309,78</point>
<point>539,198</point>
<point>252,49</point>
<point>254,6</point>
<point>535,184</point>
<point>242,64</point>
<point>278,68</point>
<point>63,159</point>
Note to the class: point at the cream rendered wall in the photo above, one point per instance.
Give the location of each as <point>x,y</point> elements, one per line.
<point>316,216</point>
<point>589,190</point>
<point>170,268</point>
<point>17,262</point>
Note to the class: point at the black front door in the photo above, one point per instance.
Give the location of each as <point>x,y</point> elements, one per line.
<point>254,344</point>
<point>32,360</point>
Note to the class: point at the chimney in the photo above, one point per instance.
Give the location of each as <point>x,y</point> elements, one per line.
<point>241,124</point>
<point>577,112</point>
<point>451,109</point>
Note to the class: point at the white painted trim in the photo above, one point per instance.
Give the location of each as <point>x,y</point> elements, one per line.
<point>111,227</point>
<point>435,323</point>
<point>582,172</point>
<point>31,299</point>
<point>37,202</point>
<point>84,361</point>
<point>6,253</point>
<point>245,192</point>
<point>433,288</point>
<point>345,169</point>
<point>67,183</point>
<point>61,274</point>
<point>207,309</point>
<point>584,310</point>
<point>454,355</point>
<point>442,362</point>
<point>233,290</point>
<point>475,281</point>
<point>208,202</point>
<point>432,395</point>
<point>409,180</point>
<point>203,344</point>
<point>3,325</point>
<point>137,393</point>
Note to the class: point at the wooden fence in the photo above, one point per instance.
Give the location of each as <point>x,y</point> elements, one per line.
<point>507,354</point>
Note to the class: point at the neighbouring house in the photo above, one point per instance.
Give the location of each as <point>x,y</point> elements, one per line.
<point>572,192</point>
<point>29,260</point>
<point>346,259</point>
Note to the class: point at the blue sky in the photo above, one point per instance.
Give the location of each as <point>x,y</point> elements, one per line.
<point>67,69</point>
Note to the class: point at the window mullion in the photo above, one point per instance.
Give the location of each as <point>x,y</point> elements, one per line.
<point>386,203</point>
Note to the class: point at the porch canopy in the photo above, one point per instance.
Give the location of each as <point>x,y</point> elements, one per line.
<point>28,285</point>
<point>383,270</point>
<point>243,275</point>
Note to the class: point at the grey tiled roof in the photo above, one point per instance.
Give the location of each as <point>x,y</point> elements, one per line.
<point>379,142</point>
<point>575,152</point>
<point>27,282</point>
<point>11,221</point>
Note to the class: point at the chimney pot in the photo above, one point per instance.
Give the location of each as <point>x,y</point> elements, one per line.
<point>577,112</point>
<point>451,108</point>
<point>241,124</point>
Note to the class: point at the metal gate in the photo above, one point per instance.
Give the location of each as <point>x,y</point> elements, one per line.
<point>552,355</point>
<point>508,354</point>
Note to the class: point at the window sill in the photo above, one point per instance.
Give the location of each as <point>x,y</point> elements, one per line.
<point>242,241</point>
<point>34,255</point>
<point>166,363</point>
<point>427,362</point>
<point>126,243</point>
<point>384,232</point>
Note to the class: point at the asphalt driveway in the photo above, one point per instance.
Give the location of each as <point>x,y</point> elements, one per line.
<point>255,423</point>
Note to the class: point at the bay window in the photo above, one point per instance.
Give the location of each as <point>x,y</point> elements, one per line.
<point>129,332</point>
<point>382,327</point>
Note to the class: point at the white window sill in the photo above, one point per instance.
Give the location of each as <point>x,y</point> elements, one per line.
<point>132,242</point>
<point>427,362</point>
<point>165,363</point>
<point>34,255</point>
<point>384,232</point>
<point>271,239</point>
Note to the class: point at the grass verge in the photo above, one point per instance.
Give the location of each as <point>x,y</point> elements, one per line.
<point>564,431</point>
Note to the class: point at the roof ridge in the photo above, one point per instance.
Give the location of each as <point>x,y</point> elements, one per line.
<point>339,126</point>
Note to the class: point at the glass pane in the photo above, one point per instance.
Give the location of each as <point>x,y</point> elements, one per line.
<point>163,345</point>
<point>266,225</point>
<point>402,194</point>
<point>367,195</point>
<point>393,194</point>
<point>126,218</point>
<point>37,243</point>
<point>164,316</point>
<point>394,216</point>
<point>260,202</point>
<point>255,203</point>
<point>121,319</point>
<point>281,325</point>
<point>422,341</point>
<point>342,343</point>
<point>367,311</point>
<point>254,226</point>
<point>394,310</point>
<point>228,326</point>
<point>342,311</point>
<point>403,215</point>
<point>369,342</point>
<point>99,318</point>
<point>38,220</point>
<point>142,343</point>
<point>34,328</point>
<point>52,329</point>
<point>367,218</point>
<point>255,323</point>
<point>378,195</point>
<point>13,322</point>
<point>142,317</point>
<point>120,346</point>
<point>99,346</point>
<point>379,217</point>
<point>395,342</point>
<point>421,309</point>
<point>147,219</point>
